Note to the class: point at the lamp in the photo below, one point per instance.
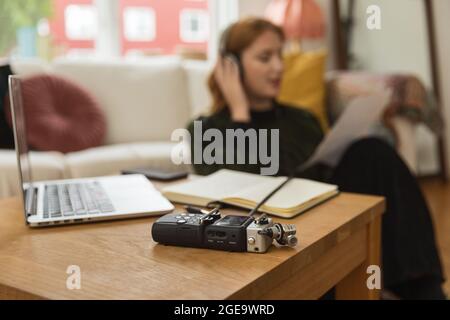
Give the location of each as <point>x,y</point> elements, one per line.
<point>300,19</point>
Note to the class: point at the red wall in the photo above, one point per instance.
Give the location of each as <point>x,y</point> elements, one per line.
<point>167,25</point>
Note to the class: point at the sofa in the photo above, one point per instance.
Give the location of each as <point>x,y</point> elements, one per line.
<point>144,102</point>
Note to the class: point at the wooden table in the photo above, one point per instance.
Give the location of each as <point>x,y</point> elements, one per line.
<point>119,260</point>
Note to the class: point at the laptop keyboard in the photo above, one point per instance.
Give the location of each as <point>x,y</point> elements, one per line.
<point>68,200</point>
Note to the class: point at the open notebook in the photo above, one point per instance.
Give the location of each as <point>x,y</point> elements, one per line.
<point>246,190</point>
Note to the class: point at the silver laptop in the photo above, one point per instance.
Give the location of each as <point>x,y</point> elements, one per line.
<point>52,203</point>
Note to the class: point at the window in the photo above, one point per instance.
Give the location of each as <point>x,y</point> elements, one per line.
<point>74,28</point>
<point>194,25</point>
<point>80,22</point>
<point>139,24</point>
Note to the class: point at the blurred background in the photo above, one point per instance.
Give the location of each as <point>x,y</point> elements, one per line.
<point>134,54</point>
<point>52,28</point>
<point>47,30</point>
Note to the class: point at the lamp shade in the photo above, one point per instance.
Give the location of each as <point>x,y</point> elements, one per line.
<point>300,19</point>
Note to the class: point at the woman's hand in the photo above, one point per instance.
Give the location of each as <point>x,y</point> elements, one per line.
<point>228,78</point>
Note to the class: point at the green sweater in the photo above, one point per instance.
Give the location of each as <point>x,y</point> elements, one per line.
<point>299,135</point>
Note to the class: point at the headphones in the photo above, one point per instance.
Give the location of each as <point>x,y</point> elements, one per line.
<point>225,53</point>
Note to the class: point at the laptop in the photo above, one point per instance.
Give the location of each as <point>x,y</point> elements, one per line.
<point>52,203</point>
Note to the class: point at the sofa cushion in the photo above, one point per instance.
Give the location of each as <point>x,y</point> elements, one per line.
<point>144,101</point>
<point>29,67</point>
<point>101,161</point>
<point>111,160</point>
<point>95,162</point>
<point>158,155</point>
<point>303,83</point>
<point>197,73</point>
<point>60,115</point>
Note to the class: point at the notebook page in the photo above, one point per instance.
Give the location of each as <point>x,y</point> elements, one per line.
<point>294,194</point>
<point>217,186</point>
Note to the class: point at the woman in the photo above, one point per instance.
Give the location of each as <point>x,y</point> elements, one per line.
<point>244,86</point>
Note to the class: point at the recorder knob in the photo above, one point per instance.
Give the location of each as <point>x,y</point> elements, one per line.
<point>263,220</point>
<point>208,220</point>
<point>292,241</point>
<point>251,241</point>
<point>211,217</point>
<point>216,216</point>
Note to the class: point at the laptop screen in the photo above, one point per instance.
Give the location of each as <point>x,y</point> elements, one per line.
<point>20,134</point>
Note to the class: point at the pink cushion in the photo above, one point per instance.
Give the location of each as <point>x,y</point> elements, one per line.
<point>60,115</point>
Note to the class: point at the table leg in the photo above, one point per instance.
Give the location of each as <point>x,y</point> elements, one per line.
<point>354,286</point>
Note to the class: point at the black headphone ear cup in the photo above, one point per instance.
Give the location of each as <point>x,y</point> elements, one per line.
<point>232,57</point>
<point>224,52</point>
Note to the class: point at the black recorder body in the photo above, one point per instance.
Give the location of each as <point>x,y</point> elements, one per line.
<point>229,233</point>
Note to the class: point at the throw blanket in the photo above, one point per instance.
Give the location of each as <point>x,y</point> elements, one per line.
<point>409,96</point>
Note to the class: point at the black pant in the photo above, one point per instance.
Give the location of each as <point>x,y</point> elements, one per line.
<point>409,253</point>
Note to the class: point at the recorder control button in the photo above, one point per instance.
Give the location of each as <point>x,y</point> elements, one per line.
<point>251,241</point>
<point>207,220</point>
<point>181,221</point>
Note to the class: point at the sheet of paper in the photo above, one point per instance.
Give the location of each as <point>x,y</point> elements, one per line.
<point>355,123</point>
